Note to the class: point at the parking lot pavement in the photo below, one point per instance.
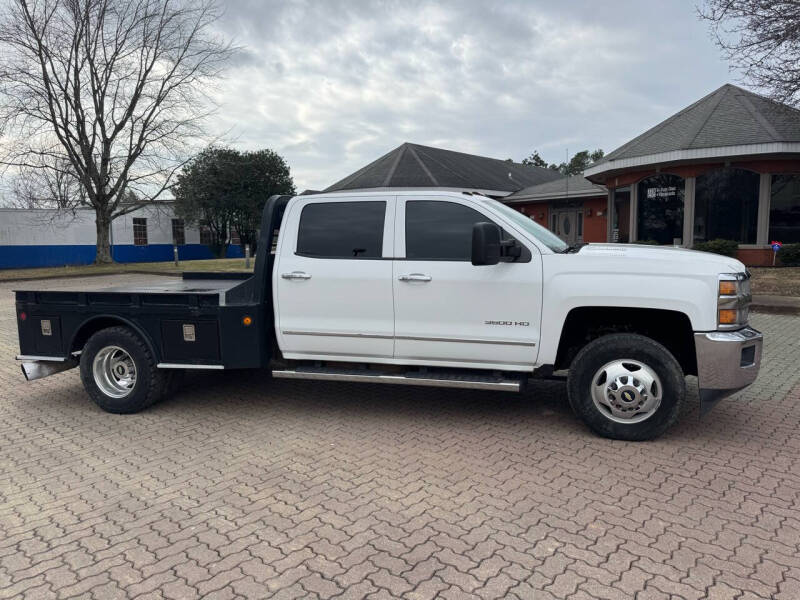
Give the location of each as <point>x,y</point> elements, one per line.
<point>243,487</point>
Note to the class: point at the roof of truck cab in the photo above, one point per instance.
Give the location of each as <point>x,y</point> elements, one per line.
<point>368,194</point>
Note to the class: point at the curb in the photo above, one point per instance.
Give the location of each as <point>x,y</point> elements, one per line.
<point>774,309</point>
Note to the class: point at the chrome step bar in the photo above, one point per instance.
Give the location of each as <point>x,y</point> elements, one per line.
<point>463,381</point>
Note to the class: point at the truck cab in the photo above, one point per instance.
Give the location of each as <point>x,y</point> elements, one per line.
<point>423,287</point>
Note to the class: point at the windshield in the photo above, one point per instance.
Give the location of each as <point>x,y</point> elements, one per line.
<point>547,237</point>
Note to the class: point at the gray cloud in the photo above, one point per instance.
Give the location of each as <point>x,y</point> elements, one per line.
<point>333,85</point>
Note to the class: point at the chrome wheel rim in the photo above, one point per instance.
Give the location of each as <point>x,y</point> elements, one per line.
<point>626,391</point>
<point>114,372</point>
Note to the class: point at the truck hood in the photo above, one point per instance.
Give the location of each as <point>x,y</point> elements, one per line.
<point>691,261</point>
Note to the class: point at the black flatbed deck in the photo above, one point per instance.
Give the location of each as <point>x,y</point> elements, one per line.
<point>211,320</point>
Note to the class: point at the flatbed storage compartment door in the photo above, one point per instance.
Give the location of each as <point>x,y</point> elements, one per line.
<point>47,335</point>
<point>190,341</point>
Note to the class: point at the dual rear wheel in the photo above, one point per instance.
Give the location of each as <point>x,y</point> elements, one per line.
<point>119,372</point>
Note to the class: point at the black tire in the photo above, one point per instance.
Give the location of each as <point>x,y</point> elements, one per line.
<point>598,353</point>
<point>150,382</point>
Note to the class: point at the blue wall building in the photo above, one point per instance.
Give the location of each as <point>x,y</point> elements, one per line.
<point>52,238</point>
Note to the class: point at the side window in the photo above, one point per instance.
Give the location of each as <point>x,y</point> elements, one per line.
<point>440,230</point>
<point>341,230</point>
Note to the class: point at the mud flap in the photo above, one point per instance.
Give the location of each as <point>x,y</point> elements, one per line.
<point>44,368</point>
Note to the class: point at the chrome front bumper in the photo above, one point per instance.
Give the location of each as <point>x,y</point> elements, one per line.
<point>727,361</point>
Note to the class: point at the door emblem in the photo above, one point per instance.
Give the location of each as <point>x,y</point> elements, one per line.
<point>509,323</point>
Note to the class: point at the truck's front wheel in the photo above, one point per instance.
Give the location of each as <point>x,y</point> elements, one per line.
<point>626,387</point>
<point>119,371</point>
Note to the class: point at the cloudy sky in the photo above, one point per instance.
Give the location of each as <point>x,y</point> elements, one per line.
<point>333,85</point>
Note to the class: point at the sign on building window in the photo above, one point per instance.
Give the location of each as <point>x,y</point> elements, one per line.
<point>662,192</point>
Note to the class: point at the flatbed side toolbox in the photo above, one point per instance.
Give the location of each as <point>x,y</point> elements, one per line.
<point>40,335</point>
<point>190,340</point>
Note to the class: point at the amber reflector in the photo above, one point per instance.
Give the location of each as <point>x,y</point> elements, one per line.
<point>247,321</point>
<point>727,316</point>
<point>727,288</point>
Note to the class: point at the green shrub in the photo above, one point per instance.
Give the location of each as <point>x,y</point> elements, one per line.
<point>724,247</point>
<point>789,255</point>
<point>648,242</point>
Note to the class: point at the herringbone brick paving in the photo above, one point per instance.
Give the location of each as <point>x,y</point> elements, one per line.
<point>239,487</point>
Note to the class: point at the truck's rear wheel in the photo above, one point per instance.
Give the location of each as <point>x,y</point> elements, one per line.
<point>626,387</point>
<point>119,371</point>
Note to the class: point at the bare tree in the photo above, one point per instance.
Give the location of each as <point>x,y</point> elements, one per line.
<point>114,87</point>
<point>49,185</point>
<point>762,39</point>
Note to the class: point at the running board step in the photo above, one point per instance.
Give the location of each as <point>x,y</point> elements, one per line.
<point>471,381</point>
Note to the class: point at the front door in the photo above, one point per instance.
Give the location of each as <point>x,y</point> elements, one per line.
<point>567,225</point>
<point>449,311</point>
<point>333,288</point>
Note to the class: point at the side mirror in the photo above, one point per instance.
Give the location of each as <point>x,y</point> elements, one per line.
<point>485,244</point>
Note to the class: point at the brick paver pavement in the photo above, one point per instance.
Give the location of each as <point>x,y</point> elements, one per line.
<point>243,487</point>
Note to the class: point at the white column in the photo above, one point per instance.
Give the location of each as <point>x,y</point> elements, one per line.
<point>688,212</point>
<point>634,226</point>
<point>764,197</point>
<point>610,214</point>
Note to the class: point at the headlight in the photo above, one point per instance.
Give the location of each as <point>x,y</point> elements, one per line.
<point>733,300</point>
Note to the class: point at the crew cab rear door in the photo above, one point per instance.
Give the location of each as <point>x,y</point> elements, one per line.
<point>449,311</point>
<point>332,280</point>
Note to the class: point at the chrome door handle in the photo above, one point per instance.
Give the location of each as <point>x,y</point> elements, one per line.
<point>415,277</point>
<point>296,275</point>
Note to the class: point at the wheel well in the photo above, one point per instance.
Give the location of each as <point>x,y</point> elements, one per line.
<point>669,328</point>
<point>92,326</point>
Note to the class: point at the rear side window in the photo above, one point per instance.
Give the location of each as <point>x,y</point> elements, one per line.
<point>440,230</point>
<point>341,230</point>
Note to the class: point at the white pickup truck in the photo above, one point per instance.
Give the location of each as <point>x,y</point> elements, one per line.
<point>426,288</point>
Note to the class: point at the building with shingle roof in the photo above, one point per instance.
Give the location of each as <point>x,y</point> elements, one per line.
<point>724,167</point>
<point>728,122</point>
<point>412,166</point>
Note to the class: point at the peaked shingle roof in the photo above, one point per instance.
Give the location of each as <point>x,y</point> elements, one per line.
<point>728,116</point>
<point>412,165</point>
<point>577,185</point>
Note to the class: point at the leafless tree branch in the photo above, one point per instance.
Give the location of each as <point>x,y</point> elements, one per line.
<point>761,38</point>
<point>111,91</point>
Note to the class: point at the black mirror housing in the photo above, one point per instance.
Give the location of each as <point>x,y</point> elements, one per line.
<point>485,244</point>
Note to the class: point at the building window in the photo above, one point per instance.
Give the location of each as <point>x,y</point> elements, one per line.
<point>178,232</point>
<point>660,209</point>
<point>139,232</point>
<point>726,205</point>
<point>206,237</point>
<point>784,209</point>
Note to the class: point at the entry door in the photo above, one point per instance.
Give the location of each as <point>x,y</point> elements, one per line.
<point>332,286</point>
<point>565,223</point>
<point>447,309</point>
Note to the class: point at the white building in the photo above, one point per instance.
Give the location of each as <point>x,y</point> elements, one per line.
<point>46,237</point>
